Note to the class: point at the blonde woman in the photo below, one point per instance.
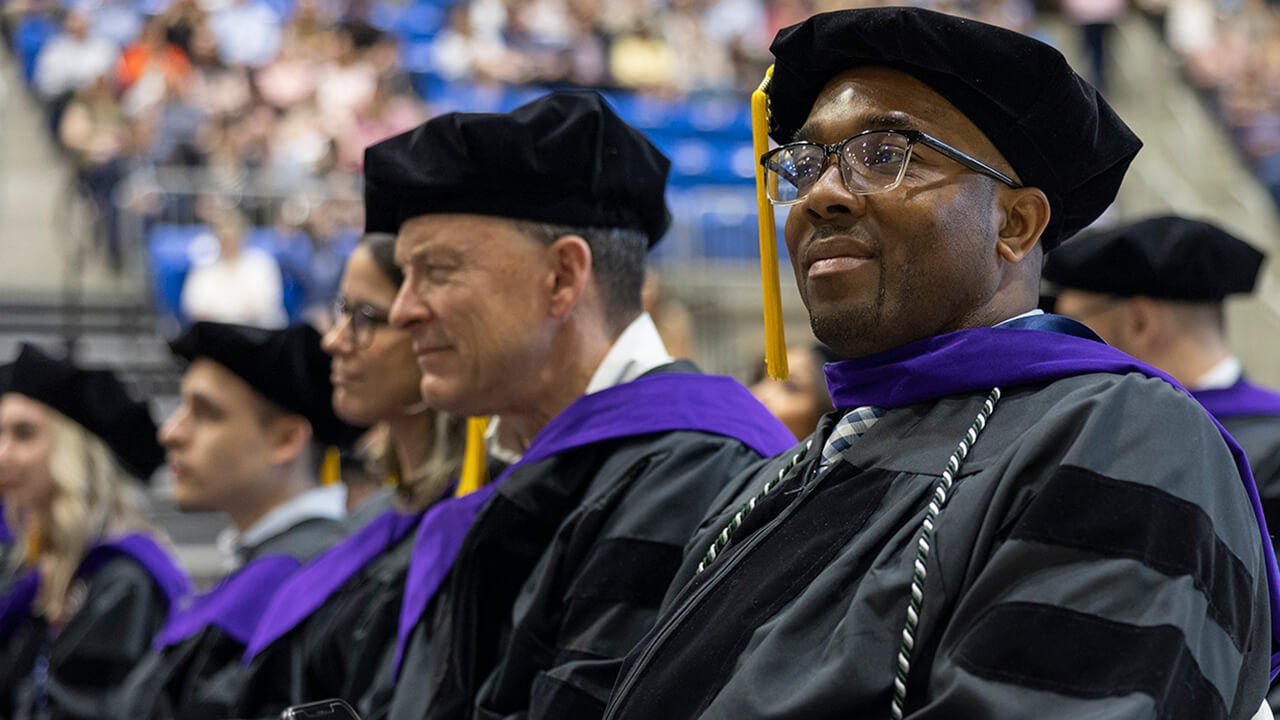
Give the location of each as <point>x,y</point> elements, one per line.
<point>336,618</point>
<point>93,583</point>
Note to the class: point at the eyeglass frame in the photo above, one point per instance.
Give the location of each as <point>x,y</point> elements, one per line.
<point>913,137</point>
<point>362,320</point>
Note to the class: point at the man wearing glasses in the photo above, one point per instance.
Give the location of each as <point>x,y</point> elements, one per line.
<point>1004,517</point>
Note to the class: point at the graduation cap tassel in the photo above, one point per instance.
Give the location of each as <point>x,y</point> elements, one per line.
<point>31,546</point>
<point>775,343</point>
<point>331,467</point>
<point>473,458</point>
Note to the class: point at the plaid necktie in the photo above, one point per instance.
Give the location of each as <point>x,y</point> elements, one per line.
<point>847,429</point>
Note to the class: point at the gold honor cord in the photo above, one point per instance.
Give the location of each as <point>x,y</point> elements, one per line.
<point>775,342</point>
<point>474,459</point>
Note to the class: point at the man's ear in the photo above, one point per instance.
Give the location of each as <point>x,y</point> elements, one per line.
<point>289,436</point>
<point>1026,215</point>
<point>571,272</point>
<point>1147,321</point>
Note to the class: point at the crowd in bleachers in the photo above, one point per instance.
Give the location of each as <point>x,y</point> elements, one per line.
<point>271,102</point>
<point>1230,50</point>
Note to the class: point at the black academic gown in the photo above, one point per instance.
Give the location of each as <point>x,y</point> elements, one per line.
<point>200,676</point>
<point>1097,558</point>
<point>73,673</point>
<point>1259,436</point>
<point>1251,413</point>
<point>561,574</point>
<point>339,649</point>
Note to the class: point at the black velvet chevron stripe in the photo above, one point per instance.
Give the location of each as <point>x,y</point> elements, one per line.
<point>627,570</point>
<point>1088,657</point>
<point>1081,509</point>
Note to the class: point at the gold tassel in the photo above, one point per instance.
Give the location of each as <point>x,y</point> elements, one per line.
<point>31,547</point>
<point>775,341</point>
<point>331,467</point>
<point>474,458</point>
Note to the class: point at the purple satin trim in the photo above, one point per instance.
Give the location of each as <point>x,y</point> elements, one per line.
<point>15,604</point>
<point>1239,400</point>
<point>309,588</point>
<point>435,547</point>
<point>234,605</point>
<point>169,576</point>
<point>6,535</point>
<point>979,359</point>
<point>662,402</point>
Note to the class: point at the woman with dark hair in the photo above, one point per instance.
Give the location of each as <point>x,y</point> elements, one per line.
<point>331,624</point>
<point>92,581</point>
<point>801,400</point>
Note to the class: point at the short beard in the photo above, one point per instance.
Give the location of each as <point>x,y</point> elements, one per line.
<point>849,332</point>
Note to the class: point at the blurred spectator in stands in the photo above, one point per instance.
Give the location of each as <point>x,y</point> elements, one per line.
<point>801,400</point>
<point>384,115</point>
<point>739,25</point>
<point>238,284</point>
<point>290,78</point>
<point>1096,19</point>
<point>384,54</point>
<point>97,134</point>
<point>461,52</point>
<point>235,146</point>
<point>705,65</point>
<point>588,52</point>
<point>118,21</point>
<point>152,58</point>
<point>301,147</point>
<point>784,13</point>
<point>333,237</point>
<point>71,61</point>
<point>1191,27</point>
<point>247,31</point>
<point>181,20</point>
<point>171,128</point>
<point>537,37</point>
<point>219,88</point>
<point>308,26</point>
<point>345,82</point>
<point>641,59</point>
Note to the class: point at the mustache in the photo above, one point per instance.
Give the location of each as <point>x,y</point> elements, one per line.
<point>828,230</point>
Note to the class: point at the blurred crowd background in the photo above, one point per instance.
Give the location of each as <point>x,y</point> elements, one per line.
<point>212,148</point>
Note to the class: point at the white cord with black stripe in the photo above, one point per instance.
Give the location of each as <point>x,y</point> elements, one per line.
<point>723,538</point>
<point>941,493</point>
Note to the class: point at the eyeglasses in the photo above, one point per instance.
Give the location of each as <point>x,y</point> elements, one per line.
<point>870,162</point>
<point>364,319</point>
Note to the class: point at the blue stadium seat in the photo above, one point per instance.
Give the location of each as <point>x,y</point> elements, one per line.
<point>29,37</point>
<point>418,58</point>
<point>420,21</point>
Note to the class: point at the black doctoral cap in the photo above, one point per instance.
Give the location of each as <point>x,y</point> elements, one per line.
<point>94,398</point>
<point>288,367</point>
<point>1052,126</point>
<point>1167,257</point>
<point>565,158</point>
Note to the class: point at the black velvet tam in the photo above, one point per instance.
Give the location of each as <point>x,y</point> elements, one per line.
<point>565,158</point>
<point>1167,257</point>
<point>1054,128</point>
<point>288,367</point>
<point>94,398</point>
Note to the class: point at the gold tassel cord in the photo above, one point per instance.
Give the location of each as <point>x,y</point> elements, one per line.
<point>331,467</point>
<point>474,459</point>
<point>775,342</point>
